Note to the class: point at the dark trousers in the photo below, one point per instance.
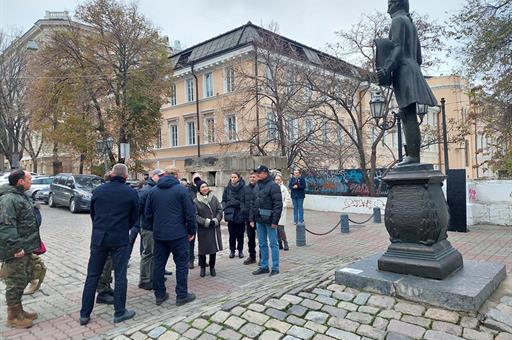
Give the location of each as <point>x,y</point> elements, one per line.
<point>251,237</point>
<point>94,269</point>
<point>180,254</point>
<point>202,260</point>
<point>192,245</point>
<point>236,236</point>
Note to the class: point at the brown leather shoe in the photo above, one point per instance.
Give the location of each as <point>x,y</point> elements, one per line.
<point>16,319</point>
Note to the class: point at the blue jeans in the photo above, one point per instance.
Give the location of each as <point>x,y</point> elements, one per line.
<point>95,268</point>
<point>264,231</point>
<point>180,254</point>
<point>298,210</point>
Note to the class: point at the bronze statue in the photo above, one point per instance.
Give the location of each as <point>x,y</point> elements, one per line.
<point>398,64</point>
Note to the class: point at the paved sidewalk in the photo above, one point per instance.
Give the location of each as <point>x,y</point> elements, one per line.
<point>67,238</point>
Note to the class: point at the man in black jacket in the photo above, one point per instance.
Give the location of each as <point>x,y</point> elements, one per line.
<point>146,233</point>
<point>248,200</point>
<point>114,210</point>
<point>172,214</point>
<point>266,212</point>
<point>232,198</point>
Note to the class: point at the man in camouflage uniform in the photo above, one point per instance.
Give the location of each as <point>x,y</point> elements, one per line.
<point>19,238</point>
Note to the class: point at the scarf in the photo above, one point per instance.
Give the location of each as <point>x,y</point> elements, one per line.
<point>205,199</point>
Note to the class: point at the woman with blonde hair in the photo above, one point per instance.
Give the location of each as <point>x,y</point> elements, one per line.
<point>281,233</point>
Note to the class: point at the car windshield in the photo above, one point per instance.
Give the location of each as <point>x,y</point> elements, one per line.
<point>87,182</point>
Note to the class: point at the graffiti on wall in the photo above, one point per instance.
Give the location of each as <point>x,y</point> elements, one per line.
<point>348,182</point>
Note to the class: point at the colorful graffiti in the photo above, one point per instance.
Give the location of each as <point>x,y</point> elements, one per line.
<point>348,182</point>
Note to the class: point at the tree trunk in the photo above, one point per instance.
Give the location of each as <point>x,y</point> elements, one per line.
<point>82,159</point>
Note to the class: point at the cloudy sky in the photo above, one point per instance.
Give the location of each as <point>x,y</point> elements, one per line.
<point>312,22</point>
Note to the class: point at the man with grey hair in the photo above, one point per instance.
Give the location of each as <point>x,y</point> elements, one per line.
<point>114,210</point>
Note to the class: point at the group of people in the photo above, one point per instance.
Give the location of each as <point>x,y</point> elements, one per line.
<point>168,214</point>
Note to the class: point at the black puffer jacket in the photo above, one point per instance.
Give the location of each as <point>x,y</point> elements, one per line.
<point>232,202</point>
<point>268,204</point>
<point>248,200</point>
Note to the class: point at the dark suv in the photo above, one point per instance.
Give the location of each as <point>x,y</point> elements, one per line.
<point>73,191</point>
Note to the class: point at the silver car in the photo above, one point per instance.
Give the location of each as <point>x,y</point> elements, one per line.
<point>39,183</point>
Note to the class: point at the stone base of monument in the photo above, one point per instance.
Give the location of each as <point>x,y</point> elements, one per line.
<point>464,290</point>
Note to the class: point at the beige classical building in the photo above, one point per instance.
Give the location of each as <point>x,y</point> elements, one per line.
<point>196,123</point>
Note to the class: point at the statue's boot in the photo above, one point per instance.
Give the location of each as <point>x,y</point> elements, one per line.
<point>409,160</point>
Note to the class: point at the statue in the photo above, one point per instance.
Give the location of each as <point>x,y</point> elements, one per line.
<point>398,64</point>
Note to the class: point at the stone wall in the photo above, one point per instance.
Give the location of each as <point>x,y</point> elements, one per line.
<point>489,202</point>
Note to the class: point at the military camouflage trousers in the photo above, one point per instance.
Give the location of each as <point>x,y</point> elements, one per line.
<point>16,274</point>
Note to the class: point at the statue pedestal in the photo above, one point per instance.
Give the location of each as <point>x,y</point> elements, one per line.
<point>417,221</point>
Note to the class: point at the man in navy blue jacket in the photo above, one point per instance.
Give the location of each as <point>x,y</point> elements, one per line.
<point>114,210</point>
<point>297,187</point>
<point>171,212</point>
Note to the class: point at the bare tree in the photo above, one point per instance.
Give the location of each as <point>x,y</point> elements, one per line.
<point>13,92</point>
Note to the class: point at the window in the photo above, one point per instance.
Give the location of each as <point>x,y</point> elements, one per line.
<point>292,127</point>
<point>208,85</point>
<point>229,79</point>
<point>191,132</point>
<point>339,135</point>
<point>325,132</point>
<point>231,127</point>
<point>173,135</point>
<point>271,126</point>
<point>210,130</point>
<point>158,144</point>
<point>189,87</point>
<point>308,125</point>
<point>172,98</point>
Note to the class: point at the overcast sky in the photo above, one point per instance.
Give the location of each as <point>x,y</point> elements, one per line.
<point>311,22</point>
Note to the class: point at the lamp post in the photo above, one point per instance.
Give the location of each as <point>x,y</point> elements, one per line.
<point>103,146</point>
<point>386,122</point>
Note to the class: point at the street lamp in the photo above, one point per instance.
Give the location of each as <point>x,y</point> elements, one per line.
<point>103,146</point>
<point>387,122</point>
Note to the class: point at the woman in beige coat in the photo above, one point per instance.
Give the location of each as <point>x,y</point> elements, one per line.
<point>281,233</point>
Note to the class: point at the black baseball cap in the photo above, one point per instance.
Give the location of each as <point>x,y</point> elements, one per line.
<point>261,168</point>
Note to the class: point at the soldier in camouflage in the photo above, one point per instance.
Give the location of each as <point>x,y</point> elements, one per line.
<point>19,238</point>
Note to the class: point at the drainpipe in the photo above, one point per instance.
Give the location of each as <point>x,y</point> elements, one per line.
<point>198,129</point>
<point>257,97</point>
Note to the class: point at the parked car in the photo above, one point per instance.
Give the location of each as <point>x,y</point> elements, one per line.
<point>73,191</point>
<point>4,177</point>
<point>39,183</point>
<point>42,195</point>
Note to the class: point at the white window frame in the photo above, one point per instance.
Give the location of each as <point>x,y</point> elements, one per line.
<point>231,135</point>
<point>229,79</point>
<point>292,129</point>
<point>209,136</point>
<point>271,126</point>
<point>208,85</point>
<point>158,142</point>
<point>171,139</point>
<point>188,137</point>
<point>189,90</point>
<point>172,98</point>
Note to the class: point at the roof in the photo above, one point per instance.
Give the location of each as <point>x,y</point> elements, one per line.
<point>250,34</point>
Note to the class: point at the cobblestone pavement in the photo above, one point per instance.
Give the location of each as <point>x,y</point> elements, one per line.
<point>67,239</point>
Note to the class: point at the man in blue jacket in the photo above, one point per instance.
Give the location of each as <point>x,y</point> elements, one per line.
<point>172,214</point>
<point>297,187</point>
<point>114,210</point>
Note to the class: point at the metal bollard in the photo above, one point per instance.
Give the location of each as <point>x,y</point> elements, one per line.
<point>300,234</point>
<point>344,225</point>
<point>377,217</point>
